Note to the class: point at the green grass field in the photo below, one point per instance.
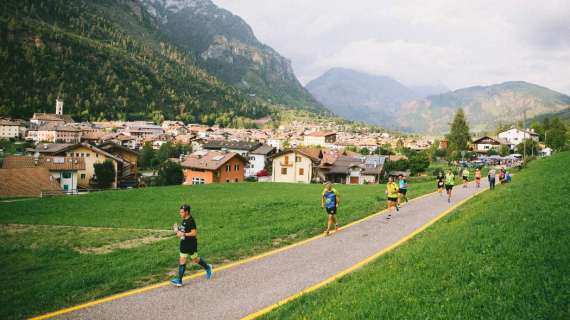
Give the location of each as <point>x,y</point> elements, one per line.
<point>57,252</point>
<point>503,255</point>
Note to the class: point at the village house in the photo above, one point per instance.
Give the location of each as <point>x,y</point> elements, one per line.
<point>10,129</point>
<point>356,169</point>
<point>54,133</point>
<point>515,136</point>
<point>205,167</point>
<point>295,166</point>
<point>485,144</point>
<point>63,170</point>
<point>124,170</point>
<point>258,159</point>
<point>319,138</point>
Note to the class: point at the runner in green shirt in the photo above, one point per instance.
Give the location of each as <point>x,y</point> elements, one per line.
<point>465,177</point>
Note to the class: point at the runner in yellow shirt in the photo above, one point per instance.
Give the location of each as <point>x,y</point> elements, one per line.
<point>449,183</point>
<point>392,193</point>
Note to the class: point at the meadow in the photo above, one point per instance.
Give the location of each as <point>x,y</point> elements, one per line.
<point>502,255</point>
<point>58,252</point>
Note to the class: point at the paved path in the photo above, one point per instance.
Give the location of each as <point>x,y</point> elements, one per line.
<point>239,291</point>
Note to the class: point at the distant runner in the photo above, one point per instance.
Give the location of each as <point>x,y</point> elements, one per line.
<point>491,176</point>
<point>440,183</point>
<point>465,177</point>
<point>187,233</point>
<point>392,193</point>
<point>449,183</point>
<point>478,178</point>
<point>330,200</point>
<point>402,190</point>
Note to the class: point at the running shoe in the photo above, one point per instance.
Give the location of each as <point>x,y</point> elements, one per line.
<point>209,272</point>
<point>177,282</point>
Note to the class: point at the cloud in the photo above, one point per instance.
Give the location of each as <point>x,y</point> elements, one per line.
<point>458,43</point>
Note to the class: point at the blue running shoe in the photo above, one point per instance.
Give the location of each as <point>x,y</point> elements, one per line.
<point>176,281</point>
<point>209,272</point>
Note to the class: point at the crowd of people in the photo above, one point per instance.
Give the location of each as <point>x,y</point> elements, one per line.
<point>396,194</point>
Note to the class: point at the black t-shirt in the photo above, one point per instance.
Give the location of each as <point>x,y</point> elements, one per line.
<point>186,226</point>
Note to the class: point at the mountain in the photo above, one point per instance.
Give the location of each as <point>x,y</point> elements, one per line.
<point>225,45</point>
<point>424,91</point>
<point>360,96</point>
<point>111,59</point>
<point>484,106</point>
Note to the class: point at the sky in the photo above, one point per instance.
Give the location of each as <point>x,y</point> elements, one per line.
<point>455,43</point>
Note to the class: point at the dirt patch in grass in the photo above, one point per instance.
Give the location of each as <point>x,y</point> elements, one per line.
<point>127,244</point>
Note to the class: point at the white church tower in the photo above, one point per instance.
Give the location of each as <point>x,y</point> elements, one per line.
<point>59,106</point>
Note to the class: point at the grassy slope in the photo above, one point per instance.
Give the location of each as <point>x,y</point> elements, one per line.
<point>41,269</point>
<point>503,255</point>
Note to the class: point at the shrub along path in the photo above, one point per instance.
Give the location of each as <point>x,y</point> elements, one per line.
<point>257,284</point>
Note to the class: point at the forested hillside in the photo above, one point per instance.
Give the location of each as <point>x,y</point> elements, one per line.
<point>108,61</point>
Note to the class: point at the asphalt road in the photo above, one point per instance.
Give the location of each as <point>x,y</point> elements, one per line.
<point>241,290</point>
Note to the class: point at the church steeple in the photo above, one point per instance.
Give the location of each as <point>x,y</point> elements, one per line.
<point>59,106</point>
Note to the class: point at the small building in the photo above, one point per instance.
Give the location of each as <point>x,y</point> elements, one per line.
<point>319,138</point>
<point>485,144</point>
<point>515,136</point>
<point>10,129</point>
<point>356,169</point>
<point>54,133</point>
<point>258,159</point>
<point>205,167</point>
<point>295,166</point>
<point>91,155</point>
<point>63,170</point>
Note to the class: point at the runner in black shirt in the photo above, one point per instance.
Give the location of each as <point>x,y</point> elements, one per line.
<point>187,233</point>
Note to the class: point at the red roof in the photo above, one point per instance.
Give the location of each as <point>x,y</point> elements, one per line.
<point>321,134</point>
<point>27,182</point>
<point>50,163</point>
<point>208,160</point>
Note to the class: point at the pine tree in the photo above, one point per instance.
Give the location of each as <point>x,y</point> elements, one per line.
<point>459,137</point>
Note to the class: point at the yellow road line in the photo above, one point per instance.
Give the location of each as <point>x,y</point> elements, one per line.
<point>358,265</point>
<point>196,275</point>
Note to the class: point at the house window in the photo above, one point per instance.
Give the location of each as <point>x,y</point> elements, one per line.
<point>301,171</point>
<point>286,160</point>
<point>283,170</point>
<point>236,180</point>
<point>297,159</point>
<point>236,167</point>
<point>83,176</point>
<point>196,180</point>
<point>66,174</point>
<point>217,173</point>
<point>87,155</point>
<point>228,167</point>
<point>227,180</point>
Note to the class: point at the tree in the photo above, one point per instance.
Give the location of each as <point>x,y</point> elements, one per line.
<point>105,174</point>
<point>419,162</point>
<point>459,137</point>
<point>502,126</point>
<point>555,136</point>
<point>170,173</point>
<point>165,151</point>
<point>146,156</point>
<point>531,147</point>
<point>504,150</point>
<point>364,151</point>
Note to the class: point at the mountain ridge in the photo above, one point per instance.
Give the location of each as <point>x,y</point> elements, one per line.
<point>358,99</point>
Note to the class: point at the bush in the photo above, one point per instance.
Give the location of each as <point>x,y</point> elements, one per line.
<point>104,174</point>
<point>170,173</point>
